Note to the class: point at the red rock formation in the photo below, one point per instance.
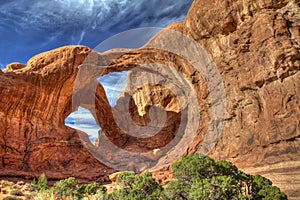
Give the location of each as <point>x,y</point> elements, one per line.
<point>255,45</point>
<point>255,48</point>
<point>34,101</point>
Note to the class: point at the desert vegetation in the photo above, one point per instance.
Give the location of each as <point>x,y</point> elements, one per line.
<point>196,177</point>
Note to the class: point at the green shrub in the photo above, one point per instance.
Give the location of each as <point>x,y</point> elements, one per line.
<point>70,189</point>
<point>126,179</point>
<point>194,166</point>
<point>42,183</point>
<point>66,187</point>
<point>137,187</point>
<point>91,188</point>
<point>263,189</point>
<point>200,177</point>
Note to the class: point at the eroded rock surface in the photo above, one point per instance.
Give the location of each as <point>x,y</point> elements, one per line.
<point>255,45</point>
<point>34,101</point>
<point>255,48</point>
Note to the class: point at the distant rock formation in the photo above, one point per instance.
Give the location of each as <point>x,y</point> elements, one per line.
<point>255,47</point>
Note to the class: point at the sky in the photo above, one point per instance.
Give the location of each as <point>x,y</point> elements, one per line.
<point>114,84</point>
<point>29,27</point>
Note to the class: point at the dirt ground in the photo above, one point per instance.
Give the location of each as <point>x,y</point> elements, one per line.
<point>16,191</point>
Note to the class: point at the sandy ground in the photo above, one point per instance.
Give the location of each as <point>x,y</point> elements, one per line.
<point>285,175</point>
<point>19,190</point>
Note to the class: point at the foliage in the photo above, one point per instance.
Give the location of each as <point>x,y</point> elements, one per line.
<point>137,187</point>
<point>126,179</point>
<point>90,189</point>
<point>193,166</point>
<point>42,183</point>
<point>66,187</point>
<point>263,189</point>
<point>198,177</point>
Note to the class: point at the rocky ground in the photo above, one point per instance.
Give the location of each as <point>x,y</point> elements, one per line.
<point>25,191</point>
<point>15,191</point>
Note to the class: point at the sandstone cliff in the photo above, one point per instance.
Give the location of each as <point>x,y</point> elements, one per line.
<point>255,45</point>
<point>35,100</point>
<point>255,48</point>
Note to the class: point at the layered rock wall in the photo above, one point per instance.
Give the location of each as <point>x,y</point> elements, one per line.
<point>255,48</point>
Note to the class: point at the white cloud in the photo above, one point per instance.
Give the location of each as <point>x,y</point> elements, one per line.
<point>83,120</point>
<point>49,24</point>
<point>2,66</point>
<point>92,13</point>
<point>114,84</point>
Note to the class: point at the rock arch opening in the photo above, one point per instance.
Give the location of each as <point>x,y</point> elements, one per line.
<point>114,83</point>
<point>82,119</point>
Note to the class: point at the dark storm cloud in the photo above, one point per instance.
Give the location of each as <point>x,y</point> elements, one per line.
<point>28,27</point>
<point>56,14</point>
